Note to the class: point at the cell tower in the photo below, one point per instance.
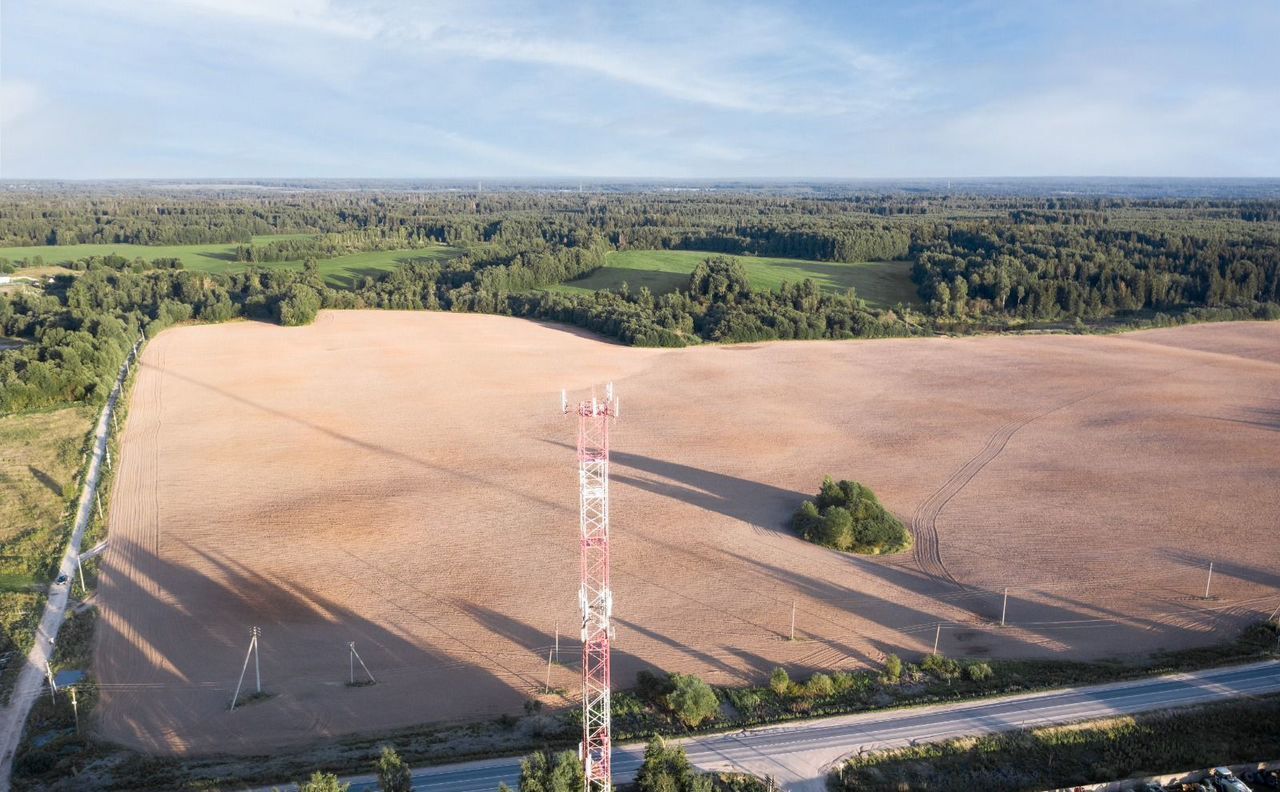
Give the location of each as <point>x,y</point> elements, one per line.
<point>595,596</point>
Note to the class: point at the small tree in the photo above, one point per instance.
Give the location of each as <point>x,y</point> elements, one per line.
<point>542,772</point>
<point>692,700</point>
<point>820,686</point>
<point>780,681</point>
<point>667,769</point>
<point>893,667</point>
<point>323,782</point>
<point>393,773</point>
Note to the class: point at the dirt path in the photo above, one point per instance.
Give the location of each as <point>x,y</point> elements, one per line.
<point>31,678</point>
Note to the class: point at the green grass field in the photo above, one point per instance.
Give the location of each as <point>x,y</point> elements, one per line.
<point>338,271</point>
<point>879,282</point>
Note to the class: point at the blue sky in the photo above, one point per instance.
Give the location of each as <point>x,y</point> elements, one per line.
<point>413,88</point>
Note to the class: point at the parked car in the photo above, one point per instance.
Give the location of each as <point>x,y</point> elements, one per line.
<point>61,579</point>
<point>1225,781</point>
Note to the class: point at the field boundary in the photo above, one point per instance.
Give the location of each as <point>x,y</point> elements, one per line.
<point>31,678</point>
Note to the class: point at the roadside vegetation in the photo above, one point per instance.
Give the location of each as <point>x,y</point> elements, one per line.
<point>666,768</point>
<point>41,459</point>
<point>1068,756</point>
<point>847,516</point>
<point>649,709</point>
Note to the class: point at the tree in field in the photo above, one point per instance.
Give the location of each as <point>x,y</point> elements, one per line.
<point>542,772</point>
<point>848,516</point>
<point>323,782</point>
<point>692,700</point>
<point>393,773</point>
<point>666,768</point>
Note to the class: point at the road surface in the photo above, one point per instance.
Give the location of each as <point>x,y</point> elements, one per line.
<point>800,754</point>
<point>31,677</point>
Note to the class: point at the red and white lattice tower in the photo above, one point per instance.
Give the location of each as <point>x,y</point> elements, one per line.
<point>595,596</point>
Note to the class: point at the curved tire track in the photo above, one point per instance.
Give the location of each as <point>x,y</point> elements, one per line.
<point>924,523</point>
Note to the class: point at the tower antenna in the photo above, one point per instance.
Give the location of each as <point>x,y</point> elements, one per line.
<point>595,595</point>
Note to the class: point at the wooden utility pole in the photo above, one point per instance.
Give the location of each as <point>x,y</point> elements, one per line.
<point>936,635</point>
<point>793,620</point>
<point>1208,581</point>
<point>1004,609</point>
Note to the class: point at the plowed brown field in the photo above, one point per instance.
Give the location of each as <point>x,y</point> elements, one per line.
<point>406,481</point>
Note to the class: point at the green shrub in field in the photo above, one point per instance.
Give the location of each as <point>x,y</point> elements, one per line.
<point>942,668</point>
<point>691,700</point>
<point>820,685</point>
<point>848,516</point>
<point>893,668</point>
<point>780,681</point>
<point>978,672</point>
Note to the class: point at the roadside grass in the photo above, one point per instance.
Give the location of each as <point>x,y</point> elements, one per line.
<point>883,283</point>
<point>339,271</point>
<point>1066,756</point>
<point>41,457</point>
<point>635,718</point>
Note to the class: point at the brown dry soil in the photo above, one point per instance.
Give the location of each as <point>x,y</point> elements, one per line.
<point>406,481</point>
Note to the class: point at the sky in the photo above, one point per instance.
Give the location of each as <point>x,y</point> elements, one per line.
<point>651,89</point>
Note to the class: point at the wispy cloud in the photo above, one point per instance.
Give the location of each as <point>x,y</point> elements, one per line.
<point>652,87</point>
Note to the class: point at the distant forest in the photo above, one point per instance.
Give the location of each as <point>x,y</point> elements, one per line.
<point>978,263</point>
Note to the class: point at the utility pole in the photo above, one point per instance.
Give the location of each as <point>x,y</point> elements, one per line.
<point>80,568</point>
<point>547,687</point>
<point>1005,607</point>
<point>557,647</point>
<point>595,595</point>
<point>937,635</point>
<point>793,621</point>
<point>53,686</point>
<point>355,658</point>
<point>75,708</point>
<point>1208,581</point>
<point>253,650</point>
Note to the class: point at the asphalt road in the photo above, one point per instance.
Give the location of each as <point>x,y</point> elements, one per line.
<point>31,677</point>
<point>800,754</point>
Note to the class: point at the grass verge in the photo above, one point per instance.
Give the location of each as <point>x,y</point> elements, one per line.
<point>638,714</point>
<point>1065,756</point>
<point>41,461</point>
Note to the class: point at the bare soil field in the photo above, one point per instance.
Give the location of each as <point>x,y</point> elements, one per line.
<point>407,482</point>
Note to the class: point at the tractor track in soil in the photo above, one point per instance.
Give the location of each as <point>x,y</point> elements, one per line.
<point>924,523</point>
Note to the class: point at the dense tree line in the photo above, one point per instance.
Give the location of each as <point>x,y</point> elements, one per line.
<point>1050,271</point>
<point>979,262</point>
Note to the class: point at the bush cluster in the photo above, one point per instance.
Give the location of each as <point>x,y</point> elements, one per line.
<point>848,516</point>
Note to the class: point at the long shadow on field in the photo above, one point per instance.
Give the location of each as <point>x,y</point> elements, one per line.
<point>762,505</point>
<point>172,639</point>
<point>1198,571</point>
<point>625,664</point>
<point>1267,418</point>
<point>352,440</point>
